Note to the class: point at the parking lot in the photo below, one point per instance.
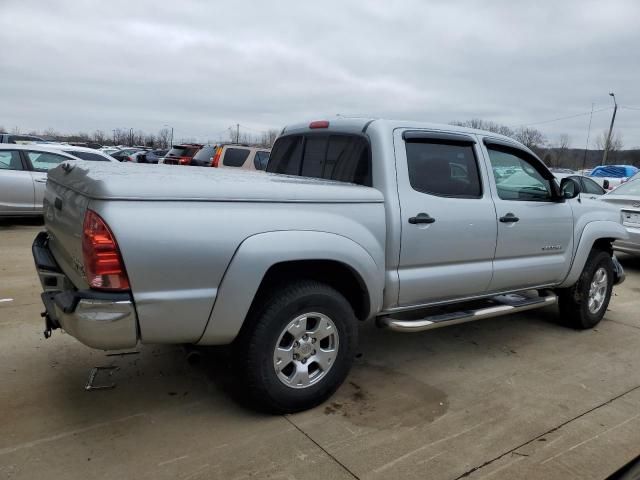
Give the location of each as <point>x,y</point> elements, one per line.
<point>504,398</point>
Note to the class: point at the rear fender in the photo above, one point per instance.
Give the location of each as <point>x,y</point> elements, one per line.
<point>593,231</point>
<point>258,253</point>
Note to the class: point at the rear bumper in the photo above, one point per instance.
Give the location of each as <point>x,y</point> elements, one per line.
<point>101,320</point>
<point>632,244</point>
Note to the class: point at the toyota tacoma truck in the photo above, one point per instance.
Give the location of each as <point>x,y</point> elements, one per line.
<point>414,226</point>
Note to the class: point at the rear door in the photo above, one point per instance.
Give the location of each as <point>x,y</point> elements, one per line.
<point>448,217</point>
<point>16,184</point>
<point>535,229</point>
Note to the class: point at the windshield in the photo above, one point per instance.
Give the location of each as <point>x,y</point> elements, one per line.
<point>629,188</point>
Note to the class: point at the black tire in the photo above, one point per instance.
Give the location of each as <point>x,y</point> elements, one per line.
<point>255,346</point>
<point>574,301</point>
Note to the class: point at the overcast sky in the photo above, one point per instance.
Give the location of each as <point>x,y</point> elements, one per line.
<point>200,66</point>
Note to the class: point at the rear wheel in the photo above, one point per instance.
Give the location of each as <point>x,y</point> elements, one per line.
<point>297,347</point>
<point>583,305</point>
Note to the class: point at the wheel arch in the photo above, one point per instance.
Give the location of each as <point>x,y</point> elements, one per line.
<point>596,235</point>
<point>268,259</point>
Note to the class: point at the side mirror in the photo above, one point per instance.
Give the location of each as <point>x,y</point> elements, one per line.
<point>570,188</point>
<point>605,184</point>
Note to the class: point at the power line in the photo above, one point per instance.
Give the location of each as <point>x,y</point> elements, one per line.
<point>567,117</point>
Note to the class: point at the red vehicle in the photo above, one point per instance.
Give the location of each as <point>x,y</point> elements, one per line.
<point>181,154</point>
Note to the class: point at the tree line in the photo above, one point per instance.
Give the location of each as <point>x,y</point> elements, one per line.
<point>560,154</point>
<point>161,139</point>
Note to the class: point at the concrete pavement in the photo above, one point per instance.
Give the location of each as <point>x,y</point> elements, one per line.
<point>512,397</point>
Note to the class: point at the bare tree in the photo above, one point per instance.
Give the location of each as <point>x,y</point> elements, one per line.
<point>163,138</point>
<point>487,125</point>
<point>615,143</point>
<point>561,157</point>
<point>530,137</point>
<point>268,138</point>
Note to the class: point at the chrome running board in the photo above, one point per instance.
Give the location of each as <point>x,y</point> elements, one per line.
<point>493,307</point>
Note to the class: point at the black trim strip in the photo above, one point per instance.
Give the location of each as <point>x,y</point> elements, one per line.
<point>427,136</point>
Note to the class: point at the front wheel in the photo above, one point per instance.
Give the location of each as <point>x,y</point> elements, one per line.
<point>583,305</point>
<point>297,347</point>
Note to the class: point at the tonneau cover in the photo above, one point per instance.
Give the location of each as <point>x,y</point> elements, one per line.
<point>132,181</point>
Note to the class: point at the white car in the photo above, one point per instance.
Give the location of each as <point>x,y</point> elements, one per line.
<point>23,174</point>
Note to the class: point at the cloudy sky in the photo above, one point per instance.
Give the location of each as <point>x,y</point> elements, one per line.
<point>201,66</point>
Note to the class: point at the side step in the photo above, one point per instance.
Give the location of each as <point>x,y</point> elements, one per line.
<point>492,307</point>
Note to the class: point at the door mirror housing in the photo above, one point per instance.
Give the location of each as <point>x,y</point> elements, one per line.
<point>605,184</point>
<point>570,188</point>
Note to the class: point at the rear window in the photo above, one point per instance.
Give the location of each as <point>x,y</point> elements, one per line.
<point>345,158</point>
<point>93,157</point>
<point>261,160</point>
<point>183,151</point>
<point>205,153</point>
<point>235,157</point>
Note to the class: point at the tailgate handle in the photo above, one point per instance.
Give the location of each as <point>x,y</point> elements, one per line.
<point>57,203</point>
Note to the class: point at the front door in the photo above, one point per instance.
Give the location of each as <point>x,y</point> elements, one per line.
<point>16,185</point>
<point>448,217</point>
<point>535,229</point>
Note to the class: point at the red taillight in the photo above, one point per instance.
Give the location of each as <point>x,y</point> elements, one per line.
<point>215,160</point>
<point>103,264</point>
<point>319,124</point>
<point>184,160</point>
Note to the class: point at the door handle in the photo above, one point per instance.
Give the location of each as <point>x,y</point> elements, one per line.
<point>421,218</point>
<point>41,180</point>
<point>509,218</point>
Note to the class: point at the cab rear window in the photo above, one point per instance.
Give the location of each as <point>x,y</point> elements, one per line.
<point>342,157</point>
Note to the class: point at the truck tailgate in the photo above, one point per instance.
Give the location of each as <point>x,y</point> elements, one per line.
<point>64,211</point>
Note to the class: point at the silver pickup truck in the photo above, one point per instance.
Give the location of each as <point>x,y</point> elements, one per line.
<point>415,226</point>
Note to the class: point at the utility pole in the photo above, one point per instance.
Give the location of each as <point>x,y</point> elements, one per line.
<point>586,147</point>
<point>131,137</point>
<point>114,136</point>
<point>237,133</point>
<point>613,119</point>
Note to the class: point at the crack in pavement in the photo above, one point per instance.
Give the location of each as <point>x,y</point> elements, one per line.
<point>344,467</point>
<point>558,427</point>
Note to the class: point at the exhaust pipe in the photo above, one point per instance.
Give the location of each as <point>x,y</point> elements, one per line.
<point>192,354</point>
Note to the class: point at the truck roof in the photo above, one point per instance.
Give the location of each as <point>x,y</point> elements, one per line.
<point>362,124</point>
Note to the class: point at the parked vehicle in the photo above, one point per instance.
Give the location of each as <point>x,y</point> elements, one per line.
<point>562,171</point>
<point>85,153</point>
<point>610,176</point>
<point>401,222</point>
<point>587,186</point>
<point>147,156</point>
<point>627,199</point>
<point>122,155</point>
<point>18,138</point>
<point>232,156</point>
<point>23,174</point>
<point>181,154</point>
<point>109,150</point>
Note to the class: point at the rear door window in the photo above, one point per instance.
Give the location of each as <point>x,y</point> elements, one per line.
<point>446,169</point>
<point>235,157</point>
<point>10,160</point>
<point>93,157</point>
<point>44,161</point>
<point>261,160</point>
<point>205,153</point>
<point>344,158</point>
